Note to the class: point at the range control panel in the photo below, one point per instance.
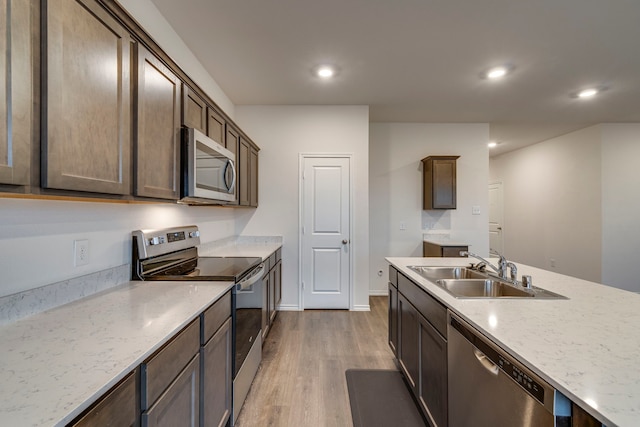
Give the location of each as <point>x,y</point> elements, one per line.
<point>159,242</point>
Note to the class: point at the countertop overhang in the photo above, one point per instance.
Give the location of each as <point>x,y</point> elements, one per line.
<point>587,346</point>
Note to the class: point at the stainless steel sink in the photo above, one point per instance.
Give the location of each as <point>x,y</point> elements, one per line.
<point>492,288</point>
<point>436,273</point>
<point>463,282</point>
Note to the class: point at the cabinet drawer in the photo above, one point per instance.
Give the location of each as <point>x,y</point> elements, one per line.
<point>453,251</point>
<point>119,406</point>
<point>279,254</point>
<point>431,309</point>
<point>393,276</point>
<point>179,405</point>
<point>215,316</point>
<point>163,367</point>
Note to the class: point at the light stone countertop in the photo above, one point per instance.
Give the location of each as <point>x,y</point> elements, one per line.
<point>55,364</point>
<point>241,246</point>
<point>587,347</point>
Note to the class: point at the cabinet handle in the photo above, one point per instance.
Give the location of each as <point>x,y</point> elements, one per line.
<point>485,362</point>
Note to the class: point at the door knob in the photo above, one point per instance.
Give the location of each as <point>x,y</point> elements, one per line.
<point>345,241</point>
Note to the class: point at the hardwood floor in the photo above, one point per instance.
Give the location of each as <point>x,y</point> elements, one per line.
<point>301,381</point>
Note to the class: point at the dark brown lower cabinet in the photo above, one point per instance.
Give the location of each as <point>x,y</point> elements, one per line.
<point>408,346</point>
<point>179,405</point>
<point>421,349</point>
<point>119,407</point>
<point>433,373</point>
<point>216,377</point>
<point>393,318</point>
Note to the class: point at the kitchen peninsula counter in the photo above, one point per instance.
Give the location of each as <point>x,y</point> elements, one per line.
<point>55,364</point>
<point>586,346</point>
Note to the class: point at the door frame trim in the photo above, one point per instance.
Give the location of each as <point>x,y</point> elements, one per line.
<point>501,186</point>
<point>301,158</point>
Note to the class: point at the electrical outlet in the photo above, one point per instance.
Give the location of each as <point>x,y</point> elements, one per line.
<point>81,252</point>
<point>475,210</point>
<point>403,226</point>
<point>552,262</point>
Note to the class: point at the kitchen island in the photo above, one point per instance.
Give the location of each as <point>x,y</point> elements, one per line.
<point>586,346</point>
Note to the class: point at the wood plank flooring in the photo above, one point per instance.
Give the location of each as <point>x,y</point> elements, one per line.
<point>301,381</point>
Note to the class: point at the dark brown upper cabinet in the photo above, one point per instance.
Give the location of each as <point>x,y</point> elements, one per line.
<point>194,110</point>
<point>216,127</point>
<point>15,91</point>
<point>86,107</point>
<point>157,129</point>
<point>247,173</point>
<point>439,182</point>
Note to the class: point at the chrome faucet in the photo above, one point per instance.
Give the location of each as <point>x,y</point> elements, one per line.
<point>501,269</point>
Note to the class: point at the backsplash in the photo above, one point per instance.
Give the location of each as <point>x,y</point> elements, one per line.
<point>17,306</point>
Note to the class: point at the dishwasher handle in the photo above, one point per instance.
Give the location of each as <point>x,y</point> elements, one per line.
<point>486,363</point>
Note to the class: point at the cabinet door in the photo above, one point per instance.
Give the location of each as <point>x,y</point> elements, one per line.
<point>15,91</point>
<point>408,345</point>
<point>157,130</point>
<point>118,408</point>
<point>433,374</point>
<point>265,306</point>
<point>393,318</point>
<point>216,378</point>
<point>86,122</point>
<point>243,172</point>
<point>216,127</point>
<point>272,295</point>
<point>278,285</point>
<point>179,405</point>
<point>253,177</point>
<point>194,110</point>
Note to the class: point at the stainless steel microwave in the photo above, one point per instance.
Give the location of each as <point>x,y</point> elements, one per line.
<point>208,170</point>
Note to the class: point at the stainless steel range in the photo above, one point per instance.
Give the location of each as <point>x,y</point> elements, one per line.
<point>172,254</point>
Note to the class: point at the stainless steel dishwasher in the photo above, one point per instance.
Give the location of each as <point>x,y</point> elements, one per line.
<point>488,387</point>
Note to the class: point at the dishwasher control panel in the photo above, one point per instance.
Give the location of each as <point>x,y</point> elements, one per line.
<point>519,376</point>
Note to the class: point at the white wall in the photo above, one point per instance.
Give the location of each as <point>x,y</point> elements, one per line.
<point>149,18</point>
<point>621,205</point>
<point>552,203</point>
<point>395,177</point>
<point>36,236</point>
<point>283,132</point>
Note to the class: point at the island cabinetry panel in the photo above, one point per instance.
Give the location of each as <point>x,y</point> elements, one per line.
<point>439,182</point>
<point>421,345</point>
<point>119,407</point>
<point>157,142</point>
<point>393,310</point>
<point>86,114</point>
<point>215,405</point>
<point>431,249</point>
<point>171,381</point>
<point>15,91</point>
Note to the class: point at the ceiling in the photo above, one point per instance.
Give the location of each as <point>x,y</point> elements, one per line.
<point>423,60</point>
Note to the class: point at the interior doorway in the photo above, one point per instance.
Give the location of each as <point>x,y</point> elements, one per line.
<point>325,238</point>
<point>496,218</point>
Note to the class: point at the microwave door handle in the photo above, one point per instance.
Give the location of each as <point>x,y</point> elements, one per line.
<point>233,182</point>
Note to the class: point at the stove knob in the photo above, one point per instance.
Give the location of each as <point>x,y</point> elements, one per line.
<point>194,234</point>
<point>154,241</point>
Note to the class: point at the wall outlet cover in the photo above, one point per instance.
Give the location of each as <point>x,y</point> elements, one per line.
<point>475,210</point>
<point>81,252</point>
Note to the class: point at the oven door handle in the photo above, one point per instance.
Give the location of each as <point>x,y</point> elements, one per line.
<point>253,278</point>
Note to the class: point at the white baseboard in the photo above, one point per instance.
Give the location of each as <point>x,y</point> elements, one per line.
<point>378,292</point>
<point>362,307</point>
<point>288,307</point>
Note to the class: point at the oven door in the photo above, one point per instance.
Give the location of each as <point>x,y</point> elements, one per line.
<point>208,169</point>
<point>247,313</point>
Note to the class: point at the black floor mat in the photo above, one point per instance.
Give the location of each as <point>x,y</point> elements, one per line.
<point>380,398</point>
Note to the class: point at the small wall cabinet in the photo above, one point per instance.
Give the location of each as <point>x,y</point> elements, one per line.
<point>439,182</point>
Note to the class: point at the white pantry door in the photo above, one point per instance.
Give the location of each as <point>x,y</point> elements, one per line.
<point>325,261</point>
<point>495,217</point>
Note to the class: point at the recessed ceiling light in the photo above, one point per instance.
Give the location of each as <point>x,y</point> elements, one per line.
<point>325,72</point>
<point>497,73</point>
<point>587,93</point>
<point>492,144</point>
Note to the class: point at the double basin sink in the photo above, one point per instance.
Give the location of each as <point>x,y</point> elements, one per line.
<point>463,282</point>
